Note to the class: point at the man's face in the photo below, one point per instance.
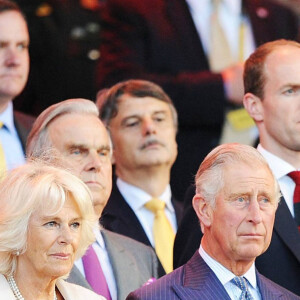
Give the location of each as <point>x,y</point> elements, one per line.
<point>84,143</point>
<point>143,134</point>
<point>240,226</point>
<point>14,56</point>
<point>281,104</point>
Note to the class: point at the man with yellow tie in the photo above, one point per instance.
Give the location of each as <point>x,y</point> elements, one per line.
<point>143,123</point>
<point>14,68</point>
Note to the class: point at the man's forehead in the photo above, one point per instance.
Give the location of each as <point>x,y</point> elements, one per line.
<point>13,17</point>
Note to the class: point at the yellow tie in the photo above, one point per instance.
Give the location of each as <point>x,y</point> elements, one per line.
<point>2,157</point>
<point>163,233</point>
<point>220,56</point>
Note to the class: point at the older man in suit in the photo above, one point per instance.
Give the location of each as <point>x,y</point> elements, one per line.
<point>272,96</point>
<point>236,199</point>
<point>114,265</point>
<point>14,68</point>
<point>143,123</point>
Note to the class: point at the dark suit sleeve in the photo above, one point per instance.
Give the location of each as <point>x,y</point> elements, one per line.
<point>141,40</point>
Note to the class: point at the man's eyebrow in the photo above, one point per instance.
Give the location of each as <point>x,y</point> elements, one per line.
<point>104,147</point>
<point>72,146</point>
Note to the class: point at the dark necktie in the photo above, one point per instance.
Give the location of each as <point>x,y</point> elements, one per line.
<point>295,175</point>
<point>94,273</point>
<point>241,283</point>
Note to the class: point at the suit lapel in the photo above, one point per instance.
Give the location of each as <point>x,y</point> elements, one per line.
<point>199,282</point>
<point>120,265</point>
<point>187,36</point>
<point>124,219</point>
<point>76,277</point>
<point>286,228</point>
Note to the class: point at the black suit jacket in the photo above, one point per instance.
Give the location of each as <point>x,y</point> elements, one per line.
<point>280,263</point>
<point>157,40</point>
<point>118,217</point>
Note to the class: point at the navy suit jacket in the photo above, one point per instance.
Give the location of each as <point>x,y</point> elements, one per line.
<point>195,280</point>
<point>23,124</point>
<point>280,263</point>
<point>157,40</point>
<point>118,217</point>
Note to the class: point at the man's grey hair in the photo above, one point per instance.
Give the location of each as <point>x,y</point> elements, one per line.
<point>210,176</point>
<point>38,141</point>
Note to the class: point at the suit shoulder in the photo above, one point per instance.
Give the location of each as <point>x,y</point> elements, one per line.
<point>126,241</point>
<point>287,295</point>
<point>165,284</point>
<point>24,119</point>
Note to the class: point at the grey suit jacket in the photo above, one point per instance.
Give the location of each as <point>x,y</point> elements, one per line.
<point>132,262</point>
<point>195,280</point>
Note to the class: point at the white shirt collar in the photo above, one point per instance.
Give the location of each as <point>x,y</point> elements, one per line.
<point>137,198</point>
<point>99,238</point>
<point>7,118</point>
<point>235,6</point>
<point>223,274</point>
<point>279,167</point>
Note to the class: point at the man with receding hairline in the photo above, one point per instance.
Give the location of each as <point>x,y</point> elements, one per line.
<point>236,199</point>
<point>72,128</point>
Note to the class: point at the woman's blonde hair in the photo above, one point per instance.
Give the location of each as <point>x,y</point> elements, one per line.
<point>37,186</point>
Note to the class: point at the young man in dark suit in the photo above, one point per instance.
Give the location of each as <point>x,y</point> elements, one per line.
<point>236,199</point>
<point>272,83</point>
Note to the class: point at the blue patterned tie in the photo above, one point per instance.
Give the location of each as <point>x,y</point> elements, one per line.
<point>241,283</point>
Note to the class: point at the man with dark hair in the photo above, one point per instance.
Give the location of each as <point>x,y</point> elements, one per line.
<point>143,123</point>
<point>272,97</point>
<point>236,199</point>
<point>14,68</point>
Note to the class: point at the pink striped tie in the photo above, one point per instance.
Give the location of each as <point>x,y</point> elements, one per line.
<point>94,273</point>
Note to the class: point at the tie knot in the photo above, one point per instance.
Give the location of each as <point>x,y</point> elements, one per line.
<point>155,205</point>
<point>240,282</point>
<point>295,175</point>
<point>216,3</point>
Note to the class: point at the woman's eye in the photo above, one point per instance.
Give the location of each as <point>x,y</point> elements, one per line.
<point>75,225</point>
<point>51,224</point>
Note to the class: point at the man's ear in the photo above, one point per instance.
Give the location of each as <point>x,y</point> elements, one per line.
<point>203,210</point>
<point>254,107</point>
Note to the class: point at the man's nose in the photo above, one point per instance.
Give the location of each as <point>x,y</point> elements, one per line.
<point>148,126</point>
<point>94,161</point>
<point>12,57</point>
<point>254,212</point>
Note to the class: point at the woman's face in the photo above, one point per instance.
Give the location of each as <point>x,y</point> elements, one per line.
<point>52,242</point>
